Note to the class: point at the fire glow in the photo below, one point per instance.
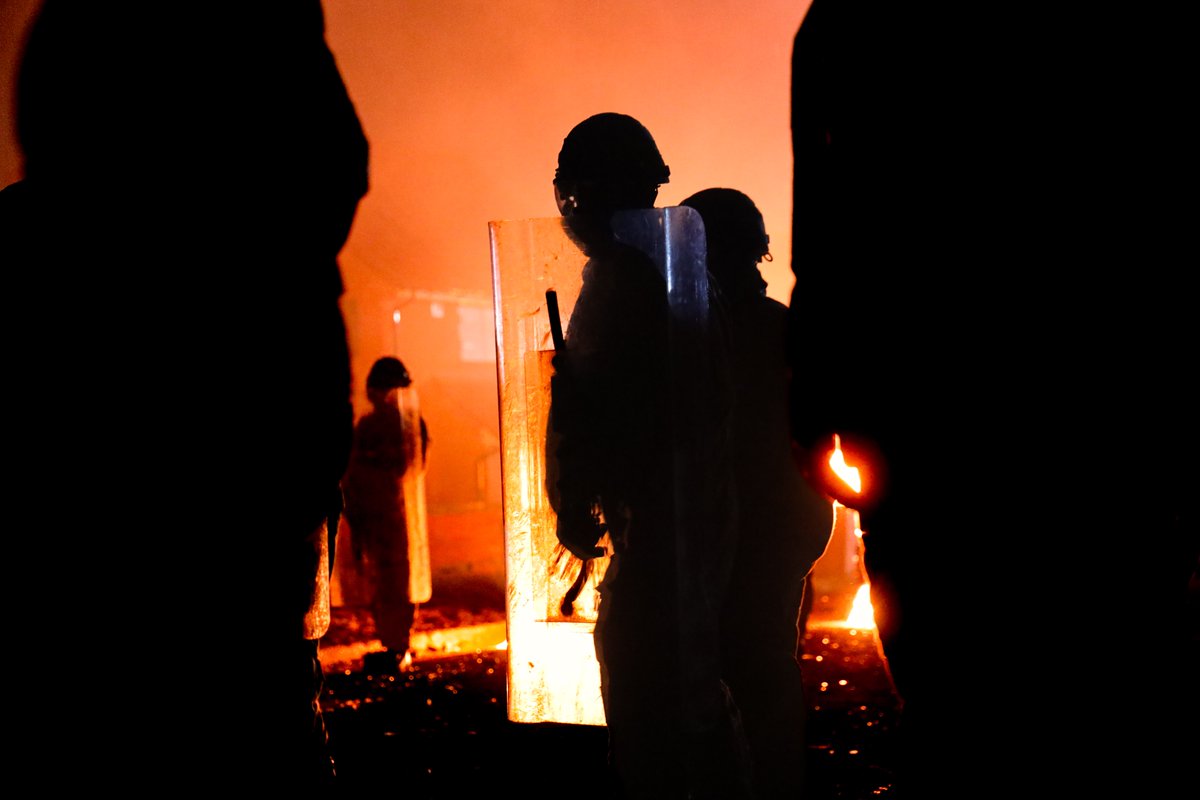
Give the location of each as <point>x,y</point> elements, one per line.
<point>837,462</point>
<point>862,613</point>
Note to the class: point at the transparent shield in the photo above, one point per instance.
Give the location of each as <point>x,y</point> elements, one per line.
<point>319,615</point>
<point>553,672</point>
<point>553,675</point>
<point>420,583</point>
<point>674,239</point>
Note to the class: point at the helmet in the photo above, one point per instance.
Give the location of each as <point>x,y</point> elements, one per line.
<point>733,225</point>
<point>388,373</point>
<point>736,240</point>
<point>611,148</point>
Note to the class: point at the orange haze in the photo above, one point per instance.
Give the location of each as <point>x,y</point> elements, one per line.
<point>466,103</point>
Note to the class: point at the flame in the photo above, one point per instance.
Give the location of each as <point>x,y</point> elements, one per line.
<point>837,462</point>
<point>862,613</point>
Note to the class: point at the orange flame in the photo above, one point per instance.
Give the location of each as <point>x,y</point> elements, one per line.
<point>837,462</point>
<point>862,613</point>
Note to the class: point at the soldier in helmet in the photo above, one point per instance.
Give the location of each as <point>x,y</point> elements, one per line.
<point>390,444</point>
<point>784,525</point>
<point>673,730</point>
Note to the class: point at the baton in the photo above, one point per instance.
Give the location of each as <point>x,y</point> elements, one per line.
<point>556,331</point>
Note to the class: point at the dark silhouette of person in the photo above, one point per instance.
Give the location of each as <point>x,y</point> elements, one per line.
<point>189,179</point>
<point>673,730</point>
<point>391,442</point>
<point>1007,475</point>
<point>874,128</point>
<point>784,525</point>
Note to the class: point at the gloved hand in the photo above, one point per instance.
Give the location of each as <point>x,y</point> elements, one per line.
<point>579,529</point>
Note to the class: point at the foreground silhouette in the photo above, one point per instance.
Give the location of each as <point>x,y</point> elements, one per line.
<point>189,181</point>
<point>1009,477</point>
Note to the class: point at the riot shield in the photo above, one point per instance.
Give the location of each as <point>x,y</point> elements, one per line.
<point>318,615</point>
<point>420,583</point>
<point>674,239</point>
<point>553,673</point>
